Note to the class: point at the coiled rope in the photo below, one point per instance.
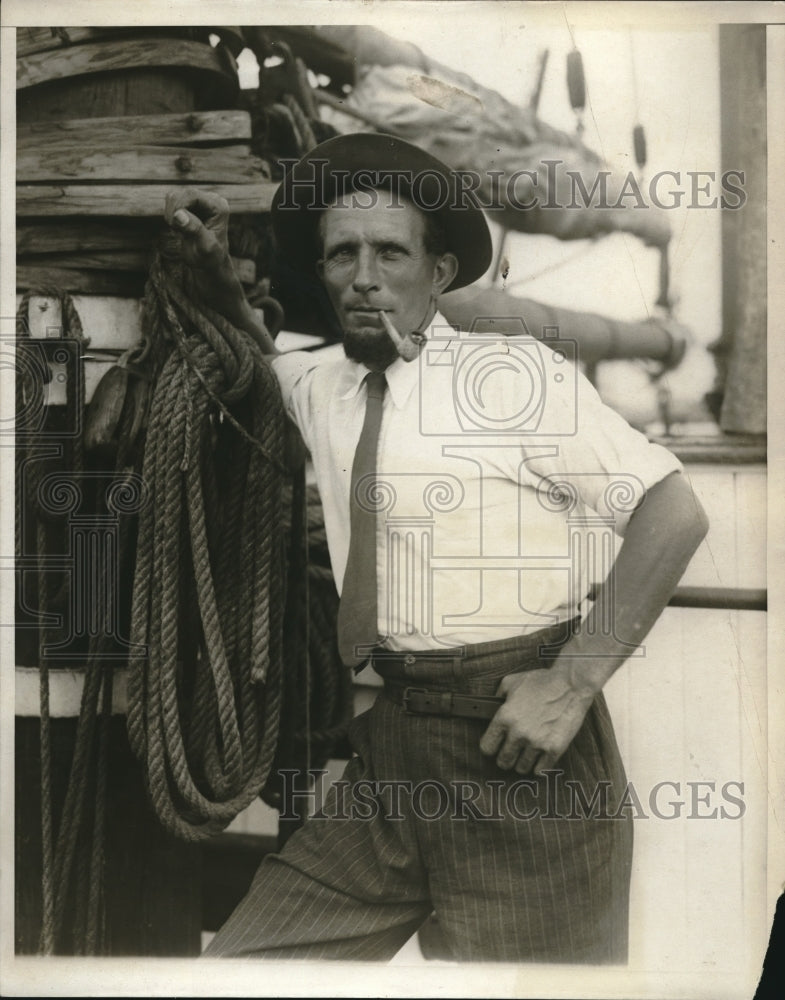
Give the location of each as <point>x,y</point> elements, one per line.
<point>231,725</point>
<point>205,684</point>
<point>319,690</point>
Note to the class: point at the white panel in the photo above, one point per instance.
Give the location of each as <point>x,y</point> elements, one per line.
<point>697,713</point>
<point>257,818</point>
<point>714,564</point>
<point>658,919</point>
<point>733,553</point>
<point>107,321</point>
<point>65,692</point>
<point>617,694</point>
<point>751,527</point>
<point>714,875</point>
<point>751,676</point>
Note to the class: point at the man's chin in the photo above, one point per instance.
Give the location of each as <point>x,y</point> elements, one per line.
<point>370,347</point>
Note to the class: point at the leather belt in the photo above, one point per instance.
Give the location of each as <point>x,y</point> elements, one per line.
<point>426,701</point>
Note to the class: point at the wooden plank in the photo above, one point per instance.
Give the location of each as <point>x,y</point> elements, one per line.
<point>126,285</point>
<point>168,90</point>
<point>119,260</point>
<point>90,236</point>
<point>137,130</point>
<point>87,235</point>
<point>102,260</point>
<point>129,200</point>
<point>96,281</point>
<point>92,162</point>
<point>38,39</point>
<point>132,53</point>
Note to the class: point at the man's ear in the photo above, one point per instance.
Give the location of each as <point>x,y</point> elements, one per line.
<point>444,272</point>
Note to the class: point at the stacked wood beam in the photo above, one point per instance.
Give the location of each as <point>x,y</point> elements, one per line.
<point>91,186</point>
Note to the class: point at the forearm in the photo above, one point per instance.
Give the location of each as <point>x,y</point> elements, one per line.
<point>244,318</point>
<point>544,709</point>
<point>661,538</point>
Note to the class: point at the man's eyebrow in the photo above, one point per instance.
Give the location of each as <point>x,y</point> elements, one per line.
<point>390,244</point>
<point>380,244</point>
<point>345,244</point>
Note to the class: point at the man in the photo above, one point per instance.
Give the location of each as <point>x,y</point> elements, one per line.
<point>464,483</point>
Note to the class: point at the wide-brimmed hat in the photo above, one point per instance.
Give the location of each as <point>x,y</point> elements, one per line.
<point>368,161</point>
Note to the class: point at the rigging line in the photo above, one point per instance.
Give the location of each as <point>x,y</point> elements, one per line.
<point>634,74</point>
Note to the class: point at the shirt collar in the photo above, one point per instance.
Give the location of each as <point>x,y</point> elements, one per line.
<point>402,376</point>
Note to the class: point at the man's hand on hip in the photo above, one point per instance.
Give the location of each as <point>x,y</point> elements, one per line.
<point>544,709</point>
<point>537,722</point>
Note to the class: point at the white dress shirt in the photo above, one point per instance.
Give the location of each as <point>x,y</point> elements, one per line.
<point>503,482</point>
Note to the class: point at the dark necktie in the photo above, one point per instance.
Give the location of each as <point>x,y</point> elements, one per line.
<point>357,612</point>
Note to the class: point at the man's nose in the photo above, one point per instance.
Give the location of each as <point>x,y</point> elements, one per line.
<point>366,275</point>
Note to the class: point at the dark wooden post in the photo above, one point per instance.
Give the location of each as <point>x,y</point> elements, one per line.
<point>741,351</point>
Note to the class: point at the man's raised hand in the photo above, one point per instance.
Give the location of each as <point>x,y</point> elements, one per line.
<point>202,220</point>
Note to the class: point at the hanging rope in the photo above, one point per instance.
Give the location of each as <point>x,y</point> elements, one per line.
<point>204,702</point>
<point>33,459</point>
<point>78,849</point>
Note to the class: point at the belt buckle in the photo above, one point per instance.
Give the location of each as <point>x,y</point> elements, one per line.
<point>407,694</point>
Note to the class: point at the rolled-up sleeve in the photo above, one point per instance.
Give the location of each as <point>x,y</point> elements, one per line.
<point>605,463</point>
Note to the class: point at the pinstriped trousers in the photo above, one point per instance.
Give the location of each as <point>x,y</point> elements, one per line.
<point>515,869</point>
